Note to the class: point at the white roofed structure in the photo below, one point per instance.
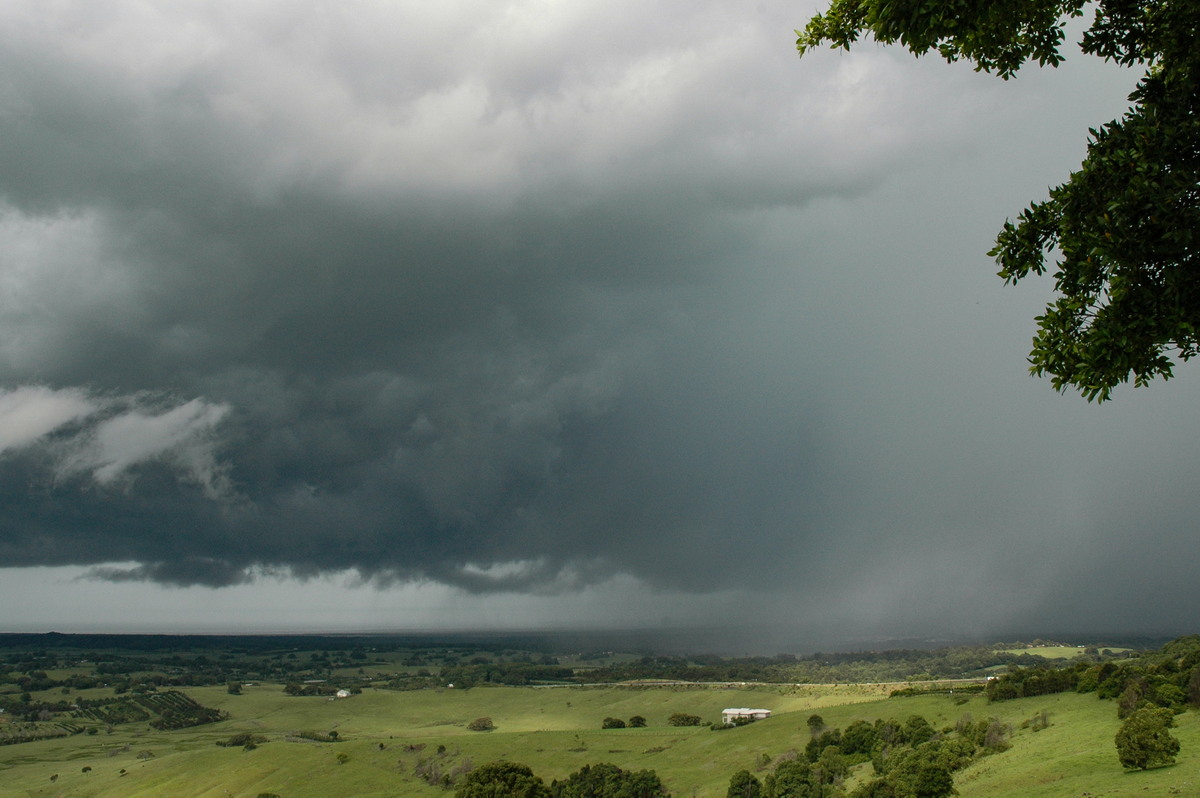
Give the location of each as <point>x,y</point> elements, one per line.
<point>744,714</point>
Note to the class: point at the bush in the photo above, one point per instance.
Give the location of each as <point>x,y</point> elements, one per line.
<point>481,724</point>
<point>612,723</point>
<point>244,739</point>
<point>683,719</point>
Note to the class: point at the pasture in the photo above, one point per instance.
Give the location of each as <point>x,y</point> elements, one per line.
<point>385,737</point>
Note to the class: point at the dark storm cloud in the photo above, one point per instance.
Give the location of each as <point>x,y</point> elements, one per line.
<point>432,322</point>
<point>525,296</point>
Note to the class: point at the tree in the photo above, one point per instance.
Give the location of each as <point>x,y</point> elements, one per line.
<point>793,779</point>
<point>612,723</point>
<point>917,730</point>
<point>814,747</point>
<point>481,724</point>
<point>1144,740</point>
<point>858,738</point>
<point>642,784</point>
<point>816,725</point>
<point>637,722</point>
<point>830,767</point>
<point>744,784</point>
<point>609,781</point>
<point>877,788</point>
<point>502,780</point>
<point>1125,228</point>
<point>918,774</point>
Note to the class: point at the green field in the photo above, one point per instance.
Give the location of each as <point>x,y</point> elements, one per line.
<point>386,734</point>
<point>1059,652</point>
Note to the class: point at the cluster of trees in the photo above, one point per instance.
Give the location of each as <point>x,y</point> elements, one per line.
<point>636,722</point>
<point>318,688</point>
<point>1149,691</point>
<point>856,666</point>
<point>169,710</point>
<point>1026,682</point>
<point>1168,678</point>
<point>514,674</point>
<point>244,740</point>
<point>910,760</point>
<point>513,780</point>
<point>178,711</point>
<point>27,732</point>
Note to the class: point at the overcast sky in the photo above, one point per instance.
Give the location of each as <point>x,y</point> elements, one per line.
<point>478,314</point>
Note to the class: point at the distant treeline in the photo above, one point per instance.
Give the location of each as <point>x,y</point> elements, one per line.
<point>848,667</point>
<point>147,662</point>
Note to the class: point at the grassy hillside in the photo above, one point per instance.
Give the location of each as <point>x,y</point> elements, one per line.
<point>557,730</point>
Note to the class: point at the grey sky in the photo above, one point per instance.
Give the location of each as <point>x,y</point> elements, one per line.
<point>547,313</point>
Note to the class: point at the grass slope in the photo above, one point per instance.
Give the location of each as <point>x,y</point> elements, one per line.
<point>556,731</point>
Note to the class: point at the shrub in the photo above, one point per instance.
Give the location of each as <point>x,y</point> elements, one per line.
<point>481,724</point>
<point>683,719</point>
<point>244,739</point>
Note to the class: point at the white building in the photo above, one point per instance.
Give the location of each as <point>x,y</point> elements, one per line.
<point>730,716</point>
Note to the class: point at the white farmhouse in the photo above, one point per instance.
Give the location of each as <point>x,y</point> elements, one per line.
<point>744,714</point>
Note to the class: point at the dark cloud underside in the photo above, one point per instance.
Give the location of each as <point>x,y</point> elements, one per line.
<point>524,297</point>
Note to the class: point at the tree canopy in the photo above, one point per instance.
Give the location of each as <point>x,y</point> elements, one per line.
<point>502,780</point>
<point>1124,230</point>
<point>744,784</point>
<point>604,780</point>
<point>1144,740</point>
